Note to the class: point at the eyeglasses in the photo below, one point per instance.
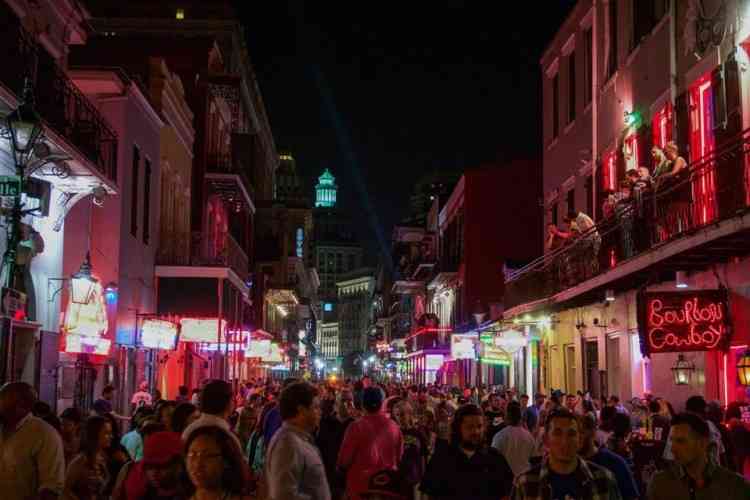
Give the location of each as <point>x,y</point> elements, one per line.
<point>195,456</point>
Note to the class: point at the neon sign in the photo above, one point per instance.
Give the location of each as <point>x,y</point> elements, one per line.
<point>678,322</point>
<point>159,334</point>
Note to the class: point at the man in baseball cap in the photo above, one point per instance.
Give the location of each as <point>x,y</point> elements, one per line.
<point>157,476</point>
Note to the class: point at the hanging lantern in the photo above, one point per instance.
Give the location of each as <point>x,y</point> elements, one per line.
<point>82,283</point>
<point>24,126</point>
<point>682,370</point>
<point>743,369</point>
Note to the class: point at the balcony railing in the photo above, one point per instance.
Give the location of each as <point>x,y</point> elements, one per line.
<point>225,164</point>
<point>204,251</point>
<point>58,101</point>
<point>711,189</point>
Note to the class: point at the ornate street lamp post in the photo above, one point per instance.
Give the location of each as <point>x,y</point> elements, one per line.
<point>24,130</point>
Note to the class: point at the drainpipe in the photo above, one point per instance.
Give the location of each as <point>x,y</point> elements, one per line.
<point>673,55</point>
<point>595,103</point>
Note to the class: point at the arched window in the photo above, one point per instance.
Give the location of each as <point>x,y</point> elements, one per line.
<point>300,242</point>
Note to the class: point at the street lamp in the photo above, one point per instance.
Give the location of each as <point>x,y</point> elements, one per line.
<point>682,371</point>
<point>82,283</point>
<point>743,369</point>
<point>23,129</point>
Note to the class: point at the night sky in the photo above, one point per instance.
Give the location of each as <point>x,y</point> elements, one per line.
<point>382,93</point>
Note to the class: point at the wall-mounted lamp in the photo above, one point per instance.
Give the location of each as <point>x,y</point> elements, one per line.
<point>609,295</point>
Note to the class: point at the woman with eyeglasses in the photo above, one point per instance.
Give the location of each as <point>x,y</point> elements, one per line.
<point>215,466</point>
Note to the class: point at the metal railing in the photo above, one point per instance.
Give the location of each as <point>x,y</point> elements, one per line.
<point>58,101</point>
<point>223,163</point>
<point>228,253</point>
<point>711,189</point>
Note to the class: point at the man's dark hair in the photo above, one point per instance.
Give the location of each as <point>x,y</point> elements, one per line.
<point>289,381</point>
<point>108,389</point>
<point>183,390</point>
<point>293,396</point>
<point>587,422</point>
<point>216,397</point>
<point>654,406</point>
<point>560,413</point>
<point>570,216</point>
<point>513,413</point>
<point>696,424</point>
<point>614,399</point>
<point>696,404</point>
<point>526,396</point>
<point>72,414</point>
<point>467,410</point>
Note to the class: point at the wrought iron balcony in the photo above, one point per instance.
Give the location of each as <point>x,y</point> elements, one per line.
<point>711,190</point>
<point>206,251</point>
<point>59,102</point>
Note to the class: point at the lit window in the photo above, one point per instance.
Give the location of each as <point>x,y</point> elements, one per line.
<point>180,14</point>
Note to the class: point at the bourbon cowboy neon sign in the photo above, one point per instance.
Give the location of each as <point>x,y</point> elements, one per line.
<point>695,321</point>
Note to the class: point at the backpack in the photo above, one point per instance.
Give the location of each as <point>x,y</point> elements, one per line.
<point>255,452</point>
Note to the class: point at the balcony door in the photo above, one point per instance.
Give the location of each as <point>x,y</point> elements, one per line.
<point>702,142</point>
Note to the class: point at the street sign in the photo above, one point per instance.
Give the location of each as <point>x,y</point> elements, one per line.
<point>10,185</point>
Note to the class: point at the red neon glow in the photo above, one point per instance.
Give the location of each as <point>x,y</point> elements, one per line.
<point>661,126</point>
<point>609,171</point>
<point>612,258</point>
<point>701,145</point>
<point>677,322</point>
<point>631,152</point>
<point>429,329</point>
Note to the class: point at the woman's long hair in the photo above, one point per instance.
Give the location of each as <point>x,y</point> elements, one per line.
<point>234,475</point>
<point>92,428</point>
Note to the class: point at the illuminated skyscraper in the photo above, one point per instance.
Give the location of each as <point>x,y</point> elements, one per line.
<point>325,191</point>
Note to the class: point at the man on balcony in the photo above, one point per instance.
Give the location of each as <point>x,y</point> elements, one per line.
<point>587,250</point>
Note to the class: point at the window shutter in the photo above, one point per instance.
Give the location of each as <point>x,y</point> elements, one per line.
<point>727,106</point>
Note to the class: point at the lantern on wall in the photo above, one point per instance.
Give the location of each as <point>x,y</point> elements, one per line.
<point>682,370</point>
<point>82,283</point>
<point>743,369</point>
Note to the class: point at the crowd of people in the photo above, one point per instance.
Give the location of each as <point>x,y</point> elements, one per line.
<point>644,209</point>
<point>352,440</point>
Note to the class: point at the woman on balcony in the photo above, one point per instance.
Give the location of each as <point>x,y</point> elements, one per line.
<point>673,191</point>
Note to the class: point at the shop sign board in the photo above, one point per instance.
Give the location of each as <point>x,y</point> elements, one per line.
<point>494,355</point>
<point>683,321</point>
<point>463,346</point>
<point>159,334</point>
<point>433,361</point>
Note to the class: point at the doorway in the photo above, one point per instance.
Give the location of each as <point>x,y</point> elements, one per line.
<point>570,368</point>
<point>613,365</point>
<point>591,360</point>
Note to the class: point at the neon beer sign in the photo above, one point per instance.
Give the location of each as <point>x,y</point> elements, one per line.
<point>675,322</point>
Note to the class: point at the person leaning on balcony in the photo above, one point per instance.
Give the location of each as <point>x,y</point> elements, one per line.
<point>679,198</point>
<point>580,224</point>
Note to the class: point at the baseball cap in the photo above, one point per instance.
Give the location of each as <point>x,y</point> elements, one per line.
<point>389,484</point>
<point>161,447</point>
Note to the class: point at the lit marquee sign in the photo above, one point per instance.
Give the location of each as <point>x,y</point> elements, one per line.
<point>683,321</point>
<point>493,355</point>
<point>202,330</point>
<point>85,325</point>
<point>463,346</point>
<point>159,334</point>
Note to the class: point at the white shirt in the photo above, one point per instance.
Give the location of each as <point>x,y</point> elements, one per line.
<point>517,446</point>
<point>31,460</point>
